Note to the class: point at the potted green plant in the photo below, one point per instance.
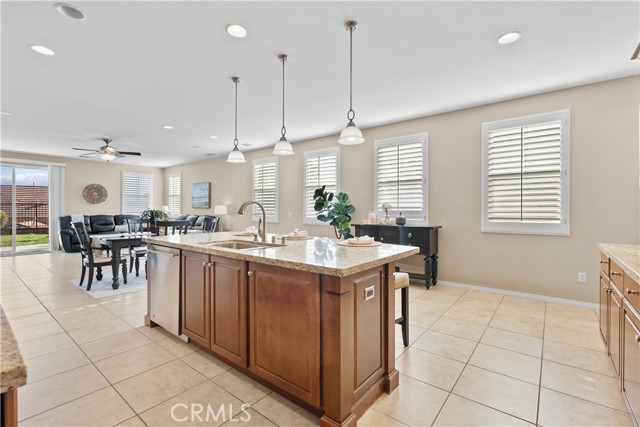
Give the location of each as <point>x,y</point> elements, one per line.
<point>334,210</point>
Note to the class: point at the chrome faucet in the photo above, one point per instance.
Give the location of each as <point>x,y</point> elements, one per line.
<point>262,222</point>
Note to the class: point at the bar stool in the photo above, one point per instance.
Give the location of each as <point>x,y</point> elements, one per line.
<point>402,283</point>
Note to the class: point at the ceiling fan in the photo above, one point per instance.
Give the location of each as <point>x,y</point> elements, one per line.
<point>107,152</point>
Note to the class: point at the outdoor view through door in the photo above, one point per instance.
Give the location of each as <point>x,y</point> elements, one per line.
<point>24,209</point>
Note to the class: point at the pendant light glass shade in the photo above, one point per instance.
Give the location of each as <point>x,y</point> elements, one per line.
<point>351,135</point>
<point>236,156</point>
<point>283,147</point>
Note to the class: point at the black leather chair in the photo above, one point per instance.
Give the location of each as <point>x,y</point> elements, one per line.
<point>91,262</point>
<point>137,225</point>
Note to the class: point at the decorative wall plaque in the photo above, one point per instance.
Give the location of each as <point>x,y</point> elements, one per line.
<point>94,193</point>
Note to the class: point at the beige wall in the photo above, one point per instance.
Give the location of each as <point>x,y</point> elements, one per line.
<point>79,173</point>
<point>604,189</point>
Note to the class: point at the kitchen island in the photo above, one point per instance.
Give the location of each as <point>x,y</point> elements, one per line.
<point>13,373</point>
<point>313,320</point>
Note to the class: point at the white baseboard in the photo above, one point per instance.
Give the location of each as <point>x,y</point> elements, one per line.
<point>544,298</point>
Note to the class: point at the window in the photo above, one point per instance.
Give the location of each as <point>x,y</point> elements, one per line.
<point>525,179</point>
<point>175,194</point>
<point>401,177</point>
<point>321,167</point>
<point>265,188</point>
<point>137,192</point>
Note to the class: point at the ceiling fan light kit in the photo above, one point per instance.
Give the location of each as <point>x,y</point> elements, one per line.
<point>236,156</point>
<point>351,135</point>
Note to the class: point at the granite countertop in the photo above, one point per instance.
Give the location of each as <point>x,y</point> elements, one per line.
<point>13,371</point>
<point>626,256</point>
<point>317,254</point>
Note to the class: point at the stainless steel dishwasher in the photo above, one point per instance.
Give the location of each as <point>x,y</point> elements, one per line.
<point>163,277</point>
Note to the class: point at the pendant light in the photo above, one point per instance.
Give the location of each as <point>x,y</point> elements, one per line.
<point>351,135</point>
<point>236,155</point>
<point>283,147</point>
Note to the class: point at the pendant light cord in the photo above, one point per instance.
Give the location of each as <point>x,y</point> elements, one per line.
<point>235,139</point>
<point>351,114</point>
<point>283,131</point>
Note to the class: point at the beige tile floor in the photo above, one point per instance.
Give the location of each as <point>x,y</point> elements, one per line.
<point>475,359</point>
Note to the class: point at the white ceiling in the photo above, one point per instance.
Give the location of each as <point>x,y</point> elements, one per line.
<point>131,67</point>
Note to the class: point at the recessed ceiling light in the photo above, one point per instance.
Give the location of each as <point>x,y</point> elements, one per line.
<point>213,137</point>
<point>246,145</point>
<point>195,146</point>
<point>236,30</point>
<point>167,127</point>
<point>209,154</point>
<point>43,50</point>
<point>4,113</point>
<point>69,11</point>
<point>509,37</point>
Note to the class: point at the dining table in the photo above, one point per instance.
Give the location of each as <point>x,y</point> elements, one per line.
<point>116,243</point>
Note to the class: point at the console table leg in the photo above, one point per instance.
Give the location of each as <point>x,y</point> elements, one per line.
<point>427,271</point>
<point>434,269</point>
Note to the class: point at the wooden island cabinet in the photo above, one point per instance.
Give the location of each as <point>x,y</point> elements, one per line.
<point>620,317</point>
<point>214,304</point>
<point>312,320</point>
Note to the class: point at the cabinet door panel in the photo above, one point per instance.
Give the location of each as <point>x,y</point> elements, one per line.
<point>604,309</point>
<point>195,296</point>
<point>631,380</point>
<point>615,317</point>
<point>285,309</point>
<point>229,309</point>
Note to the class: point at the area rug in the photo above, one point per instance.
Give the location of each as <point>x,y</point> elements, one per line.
<point>103,289</point>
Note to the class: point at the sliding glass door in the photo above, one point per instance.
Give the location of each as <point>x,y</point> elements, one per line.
<point>24,209</point>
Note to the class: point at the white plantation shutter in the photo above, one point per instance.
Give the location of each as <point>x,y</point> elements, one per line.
<point>175,194</point>
<point>265,188</point>
<point>526,175</point>
<point>401,177</point>
<point>321,167</point>
<point>137,191</point>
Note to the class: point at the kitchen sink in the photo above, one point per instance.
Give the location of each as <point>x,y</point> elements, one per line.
<point>242,245</point>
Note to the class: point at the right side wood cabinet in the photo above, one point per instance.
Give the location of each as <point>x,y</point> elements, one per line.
<point>620,328</point>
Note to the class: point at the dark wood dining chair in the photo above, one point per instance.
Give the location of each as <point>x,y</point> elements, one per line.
<point>89,261</point>
<point>137,225</point>
<point>210,224</point>
<point>182,226</point>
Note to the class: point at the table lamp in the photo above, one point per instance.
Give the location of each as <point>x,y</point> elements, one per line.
<point>221,211</point>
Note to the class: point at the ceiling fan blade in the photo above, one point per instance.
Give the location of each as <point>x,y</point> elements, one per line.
<point>87,154</point>
<point>84,149</point>
<point>129,153</point>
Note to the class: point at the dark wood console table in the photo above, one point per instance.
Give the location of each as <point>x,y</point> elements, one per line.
<point>425,238</point>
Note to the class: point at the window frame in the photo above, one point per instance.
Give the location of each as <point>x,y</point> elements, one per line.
<point>169,177</point>
<point>423,138</point>
<point>273,219</point>
<point>311,154</point>
<point>122,196</point>
<point>564,227</point>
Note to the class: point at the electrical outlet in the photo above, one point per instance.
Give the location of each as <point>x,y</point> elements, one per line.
<point>289,214</point>
<point>582,277</point>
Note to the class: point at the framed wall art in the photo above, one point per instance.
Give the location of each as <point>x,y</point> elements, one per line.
<point>201,195</point>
